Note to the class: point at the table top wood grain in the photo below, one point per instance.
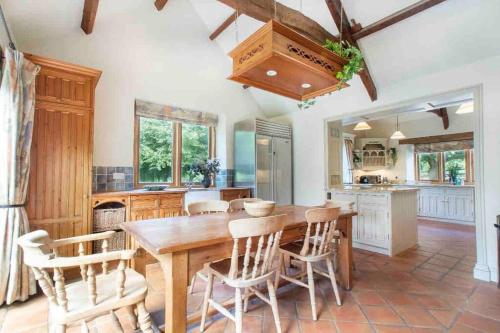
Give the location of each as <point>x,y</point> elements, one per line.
<point>167,235</point>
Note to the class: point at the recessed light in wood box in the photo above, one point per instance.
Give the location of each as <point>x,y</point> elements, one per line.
<point>280,60</point>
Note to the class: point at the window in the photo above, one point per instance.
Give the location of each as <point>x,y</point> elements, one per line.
<point>195,147</point>
<point>454,161</point>
<point>428,166</point>
<point>155,151</point>
<point>438,166</point>
<point>165,149</point>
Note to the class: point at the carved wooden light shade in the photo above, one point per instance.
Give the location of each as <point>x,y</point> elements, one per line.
<point>278,59</point>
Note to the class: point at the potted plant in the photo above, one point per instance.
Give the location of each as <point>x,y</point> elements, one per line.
<point>453,170</point>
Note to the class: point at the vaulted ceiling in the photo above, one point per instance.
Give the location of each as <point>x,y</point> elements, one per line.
<point>449,34</point>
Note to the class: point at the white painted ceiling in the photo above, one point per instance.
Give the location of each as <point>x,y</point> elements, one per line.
<point>451,34</point>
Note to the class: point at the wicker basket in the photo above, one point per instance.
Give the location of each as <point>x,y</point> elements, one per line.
<point>116,242</point>
<point>108,218</point>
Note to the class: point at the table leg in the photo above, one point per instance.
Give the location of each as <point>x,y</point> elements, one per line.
<point>139,262</point>
<point>175,271</point>
<point>345,253</point>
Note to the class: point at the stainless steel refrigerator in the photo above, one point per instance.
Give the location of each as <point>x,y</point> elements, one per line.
<point>263,159</point>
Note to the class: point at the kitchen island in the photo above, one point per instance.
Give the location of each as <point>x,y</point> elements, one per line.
<point>387,217</point>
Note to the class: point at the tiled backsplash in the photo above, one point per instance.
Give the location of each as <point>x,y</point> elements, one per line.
<point>103,180</point>
<point>225,178</point>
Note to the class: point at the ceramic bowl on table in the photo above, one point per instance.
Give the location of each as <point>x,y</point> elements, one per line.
<point>259,208</point>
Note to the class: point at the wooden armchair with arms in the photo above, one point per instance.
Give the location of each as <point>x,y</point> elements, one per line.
<point>93,296</point>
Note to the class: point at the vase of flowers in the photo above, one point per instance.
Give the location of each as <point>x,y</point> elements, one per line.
<point>208,169</point>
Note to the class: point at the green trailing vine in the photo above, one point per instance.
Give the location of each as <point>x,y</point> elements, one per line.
<point>354,65</point>
<point>352,54</point>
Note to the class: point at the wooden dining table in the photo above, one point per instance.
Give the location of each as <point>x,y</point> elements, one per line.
<point>183,244</point>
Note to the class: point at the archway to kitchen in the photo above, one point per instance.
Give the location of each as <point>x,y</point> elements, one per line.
<point>442,144</point>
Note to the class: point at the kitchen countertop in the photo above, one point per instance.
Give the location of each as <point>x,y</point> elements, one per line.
<point>166,191</point>
<point>414,184</point>
<point>374,189</point>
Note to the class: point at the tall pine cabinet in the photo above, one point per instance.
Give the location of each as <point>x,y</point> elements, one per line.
<point>59,190</point>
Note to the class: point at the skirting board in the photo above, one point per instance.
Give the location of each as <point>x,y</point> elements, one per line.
<point>446,221</point>
<point>370,248</point>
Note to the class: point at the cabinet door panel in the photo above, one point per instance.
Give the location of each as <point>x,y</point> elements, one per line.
<point>432,202</point>
<point>460,204</point>
<point>59,182</point>
<point>373,219</point>
<point>66,88</point>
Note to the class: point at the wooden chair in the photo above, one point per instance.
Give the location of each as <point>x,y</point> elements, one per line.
<point>249,270</point>
<point>205,207</point>
<point>239,204</point>
<point>315,248</point>
<point>93,296</point>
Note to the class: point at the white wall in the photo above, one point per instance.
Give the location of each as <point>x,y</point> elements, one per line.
<point>169,60</point>
<point>412,127</point>
<point>309,164</point>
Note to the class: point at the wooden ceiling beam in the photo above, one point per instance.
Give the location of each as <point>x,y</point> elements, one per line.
<point>224,25</point>
<point>340,18</point>
<point>443,114</point>
<point>264,10</point>
<point>438,138</point>
<point>89,15</point>
<point>159,4</point>
<point>399,16</point>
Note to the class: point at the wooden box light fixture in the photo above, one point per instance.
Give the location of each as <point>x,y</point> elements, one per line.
<point>280,60</point>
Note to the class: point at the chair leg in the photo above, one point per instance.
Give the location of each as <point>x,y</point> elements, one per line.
<point>245,300</point>
<point>116,322</point>
<point>144,318</point>
<point>274,305</point>
<point>83,327</point>
<point>208,293</point>
<point>193,281</point>
<point>278,272</point>
<point>312,296</point>
<point>238,313</point>
<point>132,315</point>
<point>331,272</point>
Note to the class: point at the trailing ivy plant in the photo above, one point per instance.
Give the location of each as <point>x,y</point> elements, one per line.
<point>349,52</point>
<point>354,66</point>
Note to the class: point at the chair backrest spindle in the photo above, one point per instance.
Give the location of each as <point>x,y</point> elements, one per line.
<point>322,223</point>
<point>268,231</point>
<point>207,207</point>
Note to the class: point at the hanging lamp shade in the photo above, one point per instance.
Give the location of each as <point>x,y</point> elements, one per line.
<point>280,60</point>
<point>398,135</point>
<point>362,126</point>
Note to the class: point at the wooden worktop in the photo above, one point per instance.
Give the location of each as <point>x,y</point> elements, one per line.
<point>166,191</point>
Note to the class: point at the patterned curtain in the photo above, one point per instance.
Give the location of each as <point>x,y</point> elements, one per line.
<point>349,145</point>
<point>17,97</point>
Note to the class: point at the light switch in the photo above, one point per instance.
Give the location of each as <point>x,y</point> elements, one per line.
<point>118,176</point>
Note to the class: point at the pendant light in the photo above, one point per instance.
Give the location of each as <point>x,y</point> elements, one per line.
<point>362,126</point>
<point>398,135</point>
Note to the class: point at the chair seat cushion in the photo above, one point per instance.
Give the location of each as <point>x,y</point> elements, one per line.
<point>80,306</point>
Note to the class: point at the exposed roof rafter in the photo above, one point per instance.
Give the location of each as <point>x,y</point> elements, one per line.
<point>223,26</point>
<point>443,114</point>
<point>340,18</point>
<point>159,4</point>
<point>89,15</point>
<point>395,18</point>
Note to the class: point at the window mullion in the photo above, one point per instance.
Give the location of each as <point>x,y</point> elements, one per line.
<point>177,156</point>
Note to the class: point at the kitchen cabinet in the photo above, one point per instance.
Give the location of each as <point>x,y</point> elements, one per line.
<point>387,220</point>
<point>231,193</point>
<point>447,203</point>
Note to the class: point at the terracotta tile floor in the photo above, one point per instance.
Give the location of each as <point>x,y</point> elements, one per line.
<point>428,289</point>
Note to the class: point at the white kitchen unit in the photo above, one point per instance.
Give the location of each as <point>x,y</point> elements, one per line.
<point>447,203</point>
<point>387,217</point>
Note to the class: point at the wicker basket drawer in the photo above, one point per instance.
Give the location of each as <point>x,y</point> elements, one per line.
<point>116,242</point>
<point>108,218</point>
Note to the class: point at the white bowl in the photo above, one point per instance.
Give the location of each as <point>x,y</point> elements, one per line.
<point>259,208</point>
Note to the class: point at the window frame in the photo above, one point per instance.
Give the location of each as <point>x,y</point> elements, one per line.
<point>469,167</point>
<point>176,152</point>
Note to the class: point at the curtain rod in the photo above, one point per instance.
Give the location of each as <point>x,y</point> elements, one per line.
<point>2,16</point>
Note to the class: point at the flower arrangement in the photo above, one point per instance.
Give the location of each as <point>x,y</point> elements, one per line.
<point>208,168</point>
